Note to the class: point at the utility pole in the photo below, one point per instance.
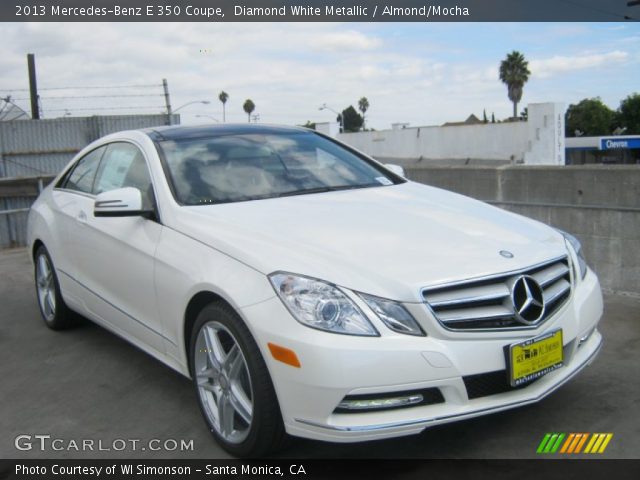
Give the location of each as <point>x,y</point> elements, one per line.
<point>33,86</point>
<point>167,100</point>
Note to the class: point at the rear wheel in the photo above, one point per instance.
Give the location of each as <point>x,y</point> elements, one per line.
<point>233,385</point>
<point>55,313</point>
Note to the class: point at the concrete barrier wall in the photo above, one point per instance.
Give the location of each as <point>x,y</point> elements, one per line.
<point>491,141</point>
<point>538,141</point>
<point>598,204</point>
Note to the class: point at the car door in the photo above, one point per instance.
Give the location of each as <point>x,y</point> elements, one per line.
<point>115,255</point>
<point>70,196</point>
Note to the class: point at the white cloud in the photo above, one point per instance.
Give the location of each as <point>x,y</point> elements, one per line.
<point>289,70</point>
<point>559,64</point>
<point>350,40</point>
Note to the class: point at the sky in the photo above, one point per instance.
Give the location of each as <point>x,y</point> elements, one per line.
<point>418,73</point>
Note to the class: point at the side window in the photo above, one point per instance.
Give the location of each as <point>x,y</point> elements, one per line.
<point>123,165</point>
<point>82,175</point>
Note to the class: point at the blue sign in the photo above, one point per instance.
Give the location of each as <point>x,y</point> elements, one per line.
<point>617,143</point>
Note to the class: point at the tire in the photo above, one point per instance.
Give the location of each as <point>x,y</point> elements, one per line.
<point>242,395</point>
<point>54,311</point>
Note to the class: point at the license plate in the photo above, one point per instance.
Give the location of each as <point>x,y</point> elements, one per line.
<point>534,358</point>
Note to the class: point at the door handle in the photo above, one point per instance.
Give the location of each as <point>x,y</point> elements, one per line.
<point>82,217</point>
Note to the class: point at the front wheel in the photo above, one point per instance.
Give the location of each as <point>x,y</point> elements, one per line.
<point>55,313</point>
<point>233,385</point>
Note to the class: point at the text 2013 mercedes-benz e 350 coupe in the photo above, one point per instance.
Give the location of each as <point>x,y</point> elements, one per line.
<point>307,289</point>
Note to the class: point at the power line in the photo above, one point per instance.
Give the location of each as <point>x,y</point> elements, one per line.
<point>39,170</point>
<point>101,108</point>
<point>95,87</point>
<point>96,96</point>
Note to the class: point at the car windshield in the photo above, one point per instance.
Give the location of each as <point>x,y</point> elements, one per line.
<point>240,167</point>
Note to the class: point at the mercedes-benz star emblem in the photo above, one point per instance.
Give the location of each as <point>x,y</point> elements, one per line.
<point>528,300</point>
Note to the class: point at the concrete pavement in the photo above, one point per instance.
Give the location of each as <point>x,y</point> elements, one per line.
<point>88,384</point>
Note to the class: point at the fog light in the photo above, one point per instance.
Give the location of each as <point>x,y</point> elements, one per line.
<point>380,403</point>
<point>389,400</point>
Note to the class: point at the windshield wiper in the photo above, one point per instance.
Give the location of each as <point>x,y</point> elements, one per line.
<point>302,191</point>
<point>306,191</point>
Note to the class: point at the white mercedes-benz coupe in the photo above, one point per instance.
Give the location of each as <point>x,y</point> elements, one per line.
<point>308,289</point>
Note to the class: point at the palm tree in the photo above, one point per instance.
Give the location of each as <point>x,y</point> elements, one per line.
<point>248,108</point>
<point>223,97</point>
<point>363,106</point>
<point>514,73</point>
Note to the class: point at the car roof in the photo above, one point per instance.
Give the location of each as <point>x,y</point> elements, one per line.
<point>179,132</point>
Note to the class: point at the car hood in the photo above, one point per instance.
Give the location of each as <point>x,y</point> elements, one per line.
<point>389,241</point>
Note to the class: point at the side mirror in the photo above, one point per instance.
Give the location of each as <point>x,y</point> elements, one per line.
<point>397,169</point>
<point>121,202</point>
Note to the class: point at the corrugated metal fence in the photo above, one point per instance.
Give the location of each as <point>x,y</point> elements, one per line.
<point>39,149</point>
<point>16,196</point>
<point>36,147</point>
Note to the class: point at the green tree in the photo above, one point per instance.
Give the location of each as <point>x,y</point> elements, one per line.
<point>248,108</point>
<point>223,97</point>
<point>484,116</point>
<point>514,73</point>
<point>589,117</point>
<point>351,120</point>
<point>363,106</point>
<point>628,115</point>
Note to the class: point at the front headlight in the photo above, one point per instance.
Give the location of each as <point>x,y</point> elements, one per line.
<point>393,315</point>
<point>577,247</point>
<point>320,305</point>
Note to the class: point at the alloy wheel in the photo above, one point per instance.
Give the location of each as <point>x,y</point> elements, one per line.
<point>46,287</point>
<point>224,382</point>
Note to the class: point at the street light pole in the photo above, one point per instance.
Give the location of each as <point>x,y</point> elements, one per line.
<point>171,112</point>
<point>203,102</point>
<point>325,107</point>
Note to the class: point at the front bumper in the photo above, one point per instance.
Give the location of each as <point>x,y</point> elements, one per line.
<point>334,366</point>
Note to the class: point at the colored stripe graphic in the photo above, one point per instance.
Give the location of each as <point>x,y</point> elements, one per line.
<point>568,442</point>
<point>555,447</point>
<point>572,443</point>
<point>543,443</point>
<point>575,442</point>
<point>606,442</point>
<point>550,443</point>
<point>598,442</point>
<point>581,443</point>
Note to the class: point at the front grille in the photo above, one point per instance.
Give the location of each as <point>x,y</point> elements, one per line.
<point>492,383</point>
<point>486,304</point>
